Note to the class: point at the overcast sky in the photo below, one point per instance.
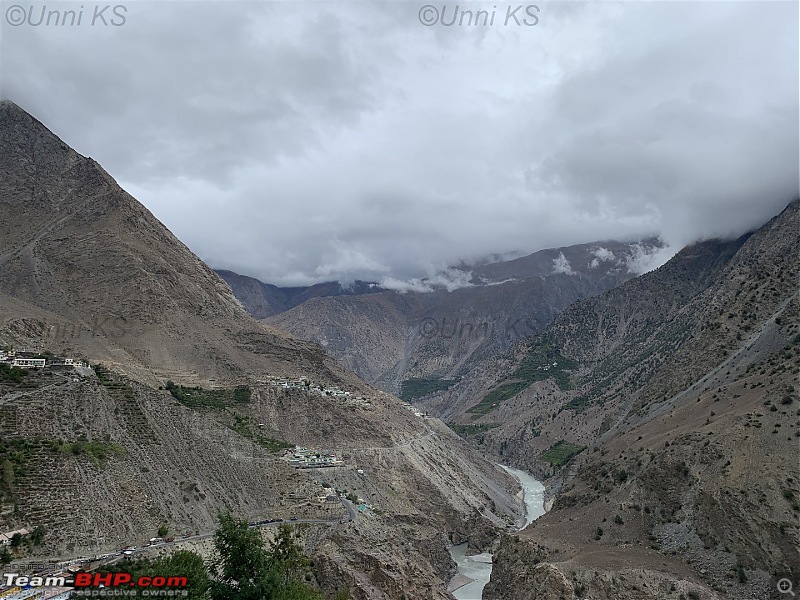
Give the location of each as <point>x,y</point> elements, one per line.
<point>299,142</point>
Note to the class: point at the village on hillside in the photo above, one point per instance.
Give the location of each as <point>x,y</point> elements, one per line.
<point>305,384</point>
<point>306,458</point>
<point>29,359</point>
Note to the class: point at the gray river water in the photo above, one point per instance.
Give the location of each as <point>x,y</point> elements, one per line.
<point>479,568</point>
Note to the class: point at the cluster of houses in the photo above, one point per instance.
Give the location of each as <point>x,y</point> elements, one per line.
<point>304,383</point>
<point>328,495</point>
<point>305,458</point>
<point>28,359</point>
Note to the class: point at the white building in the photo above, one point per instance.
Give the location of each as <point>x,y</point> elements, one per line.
<point>29,363</point>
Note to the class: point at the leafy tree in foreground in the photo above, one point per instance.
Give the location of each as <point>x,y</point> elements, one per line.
<point>248,570</point>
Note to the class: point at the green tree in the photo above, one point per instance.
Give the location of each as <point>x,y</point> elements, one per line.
<point>242,563</point>
<point>163,530</point>
<point>187,564</point>
<point>5,556</point>
<point>37,535</point>
<point>16,540</point>
<point>248,570</point>
<point>287,559</point>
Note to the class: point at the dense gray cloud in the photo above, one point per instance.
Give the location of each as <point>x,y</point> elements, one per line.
<point>307,141</point>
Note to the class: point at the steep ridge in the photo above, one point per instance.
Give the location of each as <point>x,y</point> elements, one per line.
<point>667,408</point>
<point>414,342</point>
<point>76,246</point>
<point>606,340</point>
<point>264,300</point>
<point>100,460</point>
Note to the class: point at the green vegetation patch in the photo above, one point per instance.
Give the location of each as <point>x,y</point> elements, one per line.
<point>496,396</point>
<point>97,452</point>
<point>244,427</point>
<point>16,455</point>
<point>545,362</point>
<point>540,363</point>
<point>472,429</point>
<point>578,403</point>
<point>417,388</point>
<point>197,397</point>
<point>222,400</point>
<point>559,453</point>
<point>242,394</point>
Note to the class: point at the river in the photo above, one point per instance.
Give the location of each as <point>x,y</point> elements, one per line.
<point>478,569</point>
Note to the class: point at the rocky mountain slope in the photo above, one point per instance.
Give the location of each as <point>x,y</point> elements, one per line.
<point>667,409</point>
<point>264,300</point>
<point>415,343</point>
<point>101,459</point>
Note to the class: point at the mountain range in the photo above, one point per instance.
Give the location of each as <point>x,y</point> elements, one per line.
<point>412,343</point>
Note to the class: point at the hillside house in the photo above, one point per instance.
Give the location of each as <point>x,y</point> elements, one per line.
<point>29,363</point>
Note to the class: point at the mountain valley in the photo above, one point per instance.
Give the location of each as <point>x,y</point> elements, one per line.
<point>659,408</point>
